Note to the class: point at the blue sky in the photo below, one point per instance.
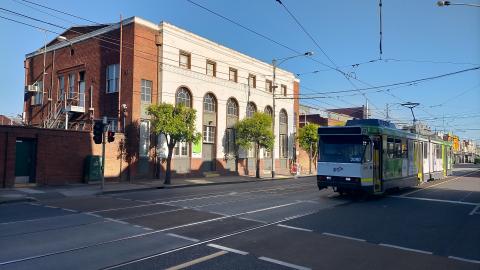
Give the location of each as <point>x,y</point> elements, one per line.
<point>420,40</point>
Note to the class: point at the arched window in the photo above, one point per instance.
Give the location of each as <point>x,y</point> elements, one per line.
<point>283,117</point>
<point>251,109</point>
<point>209,103</point>
<point>232,107</point>
<point>269,111</point>
<point>183,97</point>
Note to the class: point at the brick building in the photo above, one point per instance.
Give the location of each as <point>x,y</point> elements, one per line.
<point>84,78</point>
<point>324,118</point>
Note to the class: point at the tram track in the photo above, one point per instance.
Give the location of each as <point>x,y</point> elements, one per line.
<point>166,230</point>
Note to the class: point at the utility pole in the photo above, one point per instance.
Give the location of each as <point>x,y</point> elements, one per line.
<point>274,64</point>
<point>120,75</point>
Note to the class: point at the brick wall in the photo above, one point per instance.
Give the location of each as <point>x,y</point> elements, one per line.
<point>60,155</point>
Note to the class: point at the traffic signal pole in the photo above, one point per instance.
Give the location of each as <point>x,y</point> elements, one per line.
<point>103,160</point>
<point>103,150</point>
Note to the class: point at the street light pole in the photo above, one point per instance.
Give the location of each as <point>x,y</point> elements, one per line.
<point>275,64</point>
<point>448,3</point>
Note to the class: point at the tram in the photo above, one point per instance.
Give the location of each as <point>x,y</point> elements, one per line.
<point>372,156</point>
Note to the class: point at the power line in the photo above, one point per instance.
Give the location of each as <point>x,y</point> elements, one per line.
<point>27,24</point>
<point>348,78</point>
<point>412,82</point>
<point>62,12</point>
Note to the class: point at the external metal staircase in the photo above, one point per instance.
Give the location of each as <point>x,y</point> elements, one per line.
<point>57,115</point>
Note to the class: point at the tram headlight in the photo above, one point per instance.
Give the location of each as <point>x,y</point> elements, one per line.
<point>329,178</point>
<point>347,178</point>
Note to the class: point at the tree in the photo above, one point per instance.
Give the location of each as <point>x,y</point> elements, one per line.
<point>255,132</point>
<point>176,124</point>
<point>308,140</point>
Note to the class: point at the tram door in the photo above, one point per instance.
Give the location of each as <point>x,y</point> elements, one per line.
<point>419,160</point>
<point>377,164</point>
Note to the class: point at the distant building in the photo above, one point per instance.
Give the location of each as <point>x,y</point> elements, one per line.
<point>324,118</point>
<point>10,121</point>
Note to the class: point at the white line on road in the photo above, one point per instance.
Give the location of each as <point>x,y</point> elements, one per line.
<point>344,236</point>
<point>463,259</point>
<point>405,248</point>
<point>294,228</point>
<point>434,185</point>
<point>183,237</point>
<point>228,249</point>
<point>198,243</point>
<point>290,265</point>
<point>432,200</point>
<point>474,211</point>
<point>197,261</point>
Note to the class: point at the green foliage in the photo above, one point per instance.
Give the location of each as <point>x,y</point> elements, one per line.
<point>257,129</point>
<point>177,124</point>
<point>308,136</point>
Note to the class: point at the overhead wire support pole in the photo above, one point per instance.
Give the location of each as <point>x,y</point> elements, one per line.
<point>120,78</point>
<point>381,27</point>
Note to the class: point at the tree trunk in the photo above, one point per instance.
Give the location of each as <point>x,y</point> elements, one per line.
<point>168,171</point>
<point>257,165</point>
<point>310,160</point>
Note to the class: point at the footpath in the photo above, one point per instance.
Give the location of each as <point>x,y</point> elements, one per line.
<point>34,193</point>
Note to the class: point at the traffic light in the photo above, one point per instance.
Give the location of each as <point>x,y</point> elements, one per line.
<point>111,136</point>
<point>98,132</point>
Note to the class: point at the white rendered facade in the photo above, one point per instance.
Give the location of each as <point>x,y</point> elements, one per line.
<point>197,77</point>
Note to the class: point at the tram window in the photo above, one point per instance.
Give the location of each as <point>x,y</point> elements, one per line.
<point>390,147</point>
<point>398,148</point>
<point>439,151</point>
<point>425,150</point>
<point>368,152</point>
<point>404,149</point>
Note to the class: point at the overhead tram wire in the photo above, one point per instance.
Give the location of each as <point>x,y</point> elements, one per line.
<point>321,49</point>
<point>246,28</point>
<point>413,82</point>
<point>62,12</point>
<point>27,24</point>
<point>116,44</point>
<point>316,43</point>
<point>117,50</point>
<point>152,60</point>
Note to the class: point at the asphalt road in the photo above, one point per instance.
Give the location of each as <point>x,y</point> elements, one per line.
<point>284,224</point>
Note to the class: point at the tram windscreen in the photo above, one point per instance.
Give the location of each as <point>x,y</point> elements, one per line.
<point>343,148</point>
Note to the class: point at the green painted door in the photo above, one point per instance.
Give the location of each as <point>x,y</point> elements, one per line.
<point>25,161</point>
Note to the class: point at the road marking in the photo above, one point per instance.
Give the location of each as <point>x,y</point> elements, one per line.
<point>163,230</point>
<point>117,220</point>
<point>228,249</point>
<point>198,260</point>
<point>294,228</point>
<point>69,210</point>
<point>95,215</point>
<point>192,245</point>
<point>152,214</point>
<point>466,196</point>
<point>405,248</point>
<point>463,259</point>
<point>432,200</point>
<point>251,219</point>
<point>415,191</point>
<point>474,211</point>
<point>344,236</point>
<point>290,265</point>
<point>183,237</point>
